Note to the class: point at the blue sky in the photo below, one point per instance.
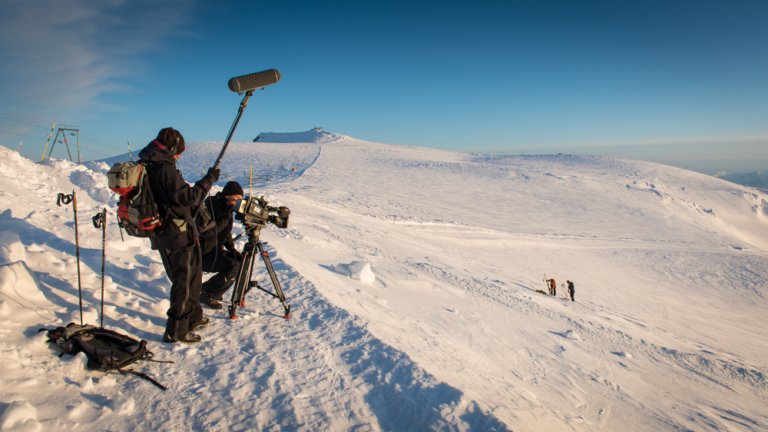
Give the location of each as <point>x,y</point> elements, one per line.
<point>683,82</point>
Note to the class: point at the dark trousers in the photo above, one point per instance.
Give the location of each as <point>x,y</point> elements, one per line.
<point>183,267</point>
<point>226,265</point>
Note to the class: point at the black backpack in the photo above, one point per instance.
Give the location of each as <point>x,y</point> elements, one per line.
<point>106,350</point>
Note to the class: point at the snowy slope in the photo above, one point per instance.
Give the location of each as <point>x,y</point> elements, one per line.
<point>316,135</point>
<point>412,274</point>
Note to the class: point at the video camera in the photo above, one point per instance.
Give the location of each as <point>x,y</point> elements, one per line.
<point>256,212</point>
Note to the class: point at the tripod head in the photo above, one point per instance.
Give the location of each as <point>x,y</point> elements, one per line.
<point>253,231</point>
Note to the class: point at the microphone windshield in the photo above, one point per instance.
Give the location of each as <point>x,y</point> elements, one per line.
<point>244,83</point>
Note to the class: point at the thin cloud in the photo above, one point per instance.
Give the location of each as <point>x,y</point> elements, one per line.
<point>67,54</point>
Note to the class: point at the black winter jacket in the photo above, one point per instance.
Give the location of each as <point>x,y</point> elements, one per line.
<point>176,200</point>
<point>220,236</point>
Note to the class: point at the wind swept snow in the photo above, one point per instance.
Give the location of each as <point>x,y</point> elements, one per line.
<point>415,278</point>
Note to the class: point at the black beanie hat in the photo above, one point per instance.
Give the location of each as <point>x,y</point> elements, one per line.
<point>232,188</point>
<point>172,139</point>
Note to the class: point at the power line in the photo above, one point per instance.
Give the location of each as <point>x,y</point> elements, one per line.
<point>91,149</point>
<point>100,140</point>
<point>23,122</point>
<point>92,144</point>
<point>97,152</point>
<point>21,134</point>
<point>25,119</point>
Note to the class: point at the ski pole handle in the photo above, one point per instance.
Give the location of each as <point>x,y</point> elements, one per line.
<point>98,220</point>
<point>64,198</point>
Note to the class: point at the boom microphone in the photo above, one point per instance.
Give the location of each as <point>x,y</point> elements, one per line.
<point>244,83</point>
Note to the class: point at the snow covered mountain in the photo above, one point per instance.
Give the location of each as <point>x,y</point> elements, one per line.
<point>314,135</point>
<point>415,278</point>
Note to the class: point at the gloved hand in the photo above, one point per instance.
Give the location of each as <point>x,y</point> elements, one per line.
<point>212,175</point>
<point>235,253</point>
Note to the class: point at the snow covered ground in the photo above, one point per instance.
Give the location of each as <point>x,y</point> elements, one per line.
<point>414,277</point>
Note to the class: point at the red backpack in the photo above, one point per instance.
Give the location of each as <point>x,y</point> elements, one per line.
<point>136,210</point>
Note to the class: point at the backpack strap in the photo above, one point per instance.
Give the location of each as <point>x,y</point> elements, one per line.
<point>166,211</point>
<point>149,356</point>
<point>143,376</point>
<point>158,361</point>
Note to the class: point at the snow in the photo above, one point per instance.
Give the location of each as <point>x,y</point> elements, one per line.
<point>316,135</point>
<point>358,270</point>
<point>11,249</point>
<point>20,416</point>
<point>413,276</point>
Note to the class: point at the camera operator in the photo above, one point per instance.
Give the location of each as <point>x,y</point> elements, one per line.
<point>178,238</point>
<point>219,253</point>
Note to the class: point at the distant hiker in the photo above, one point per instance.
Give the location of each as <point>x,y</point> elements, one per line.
<point>178,239</point>
<point>219,253</point>
<point>552,287</point>
<point>571,290</point>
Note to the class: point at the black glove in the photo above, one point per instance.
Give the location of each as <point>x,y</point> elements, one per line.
<point>236,253</point>
<point>212,175</point>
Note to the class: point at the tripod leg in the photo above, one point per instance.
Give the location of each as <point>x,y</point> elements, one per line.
<point>246,283</point>
<point>273,278</point>
<point>243,277</point>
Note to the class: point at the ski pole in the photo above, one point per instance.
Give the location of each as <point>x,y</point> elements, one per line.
<point>120,228</point>
<point>100,221</point>
<point>66,199</point>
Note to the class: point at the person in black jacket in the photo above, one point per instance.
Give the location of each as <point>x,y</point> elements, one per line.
<point>219,253</point>
<point>177,239</point>
<point>571,290</point>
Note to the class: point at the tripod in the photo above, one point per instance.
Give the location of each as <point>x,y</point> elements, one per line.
<point>243,283</point>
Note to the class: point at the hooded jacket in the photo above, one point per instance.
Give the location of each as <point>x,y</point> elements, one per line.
<point>176,199</point>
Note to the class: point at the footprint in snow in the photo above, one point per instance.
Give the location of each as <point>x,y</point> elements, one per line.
<point>622,354</point>
<point>568,334</point>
